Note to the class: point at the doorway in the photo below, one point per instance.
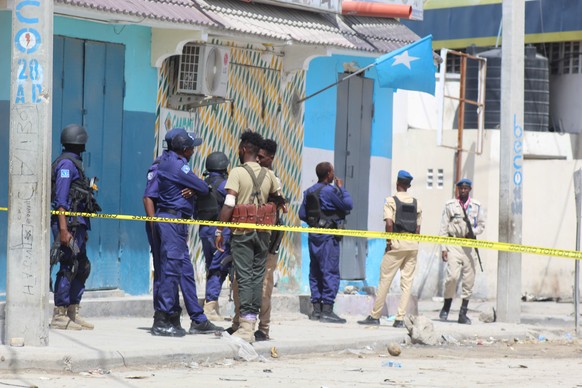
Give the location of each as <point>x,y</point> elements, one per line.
<point>352,163</point>
<point>88,89</point>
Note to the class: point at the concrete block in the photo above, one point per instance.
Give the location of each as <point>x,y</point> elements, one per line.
<point>361,305</point>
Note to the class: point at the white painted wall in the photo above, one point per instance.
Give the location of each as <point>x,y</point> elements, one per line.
<point>549,208</point>
<point>565,102</point>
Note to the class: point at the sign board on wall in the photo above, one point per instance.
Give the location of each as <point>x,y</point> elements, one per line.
<point>169,119</point>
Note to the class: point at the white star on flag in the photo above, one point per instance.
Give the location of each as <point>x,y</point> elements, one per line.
<point>420,77</point>
<point>404,59</point>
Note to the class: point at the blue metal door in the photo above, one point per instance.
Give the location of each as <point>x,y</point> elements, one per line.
<point>88,89</point>
<point>352,163</point>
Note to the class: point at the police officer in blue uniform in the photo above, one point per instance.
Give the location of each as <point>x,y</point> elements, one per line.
<point>176,269</point>
<point>150,200</point>
<point>334,204</point>
<point>218,263</point>
<point>71,191</point>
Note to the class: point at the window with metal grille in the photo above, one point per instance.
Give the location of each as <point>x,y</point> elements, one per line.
<point>453,64</point>
<point>564,57</point>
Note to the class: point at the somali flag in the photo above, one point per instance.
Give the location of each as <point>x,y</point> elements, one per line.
<point>410,67</point>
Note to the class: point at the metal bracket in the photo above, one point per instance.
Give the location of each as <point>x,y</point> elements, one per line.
<point>178,101</point>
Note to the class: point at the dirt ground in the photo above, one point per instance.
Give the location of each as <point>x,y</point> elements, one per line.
<point>471,363</point>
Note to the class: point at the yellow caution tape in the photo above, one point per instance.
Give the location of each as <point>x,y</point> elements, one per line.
<point>498,246</point>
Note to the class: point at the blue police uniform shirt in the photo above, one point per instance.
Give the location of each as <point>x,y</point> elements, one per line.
<point>207,231</point>
<point>174,175</point>
<point>66,173</point>
<point>151,189</point>
<point>331,198</point>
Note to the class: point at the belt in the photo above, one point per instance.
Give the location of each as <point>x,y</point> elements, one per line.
<point>175,213</point>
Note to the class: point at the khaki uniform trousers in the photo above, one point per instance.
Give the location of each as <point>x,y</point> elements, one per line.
<point>460,261</point>
<point>268,284</point>
<point>391,263</point>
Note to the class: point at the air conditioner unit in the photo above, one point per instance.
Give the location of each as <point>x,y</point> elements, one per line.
<point>203,70</point>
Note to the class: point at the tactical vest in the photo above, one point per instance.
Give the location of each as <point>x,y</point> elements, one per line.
<point>405,218</point>
<point>80,192</point>
<point>208,206</point>
<point>316,216</point>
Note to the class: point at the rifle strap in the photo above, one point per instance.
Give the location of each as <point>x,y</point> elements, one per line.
<point>467,221</point>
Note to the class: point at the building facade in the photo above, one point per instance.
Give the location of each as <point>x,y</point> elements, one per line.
<point>117,72</point>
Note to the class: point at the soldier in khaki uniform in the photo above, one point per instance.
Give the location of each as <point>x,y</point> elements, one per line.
<point>402,214</point>
<point>249,247</point>
<point>460,259</point>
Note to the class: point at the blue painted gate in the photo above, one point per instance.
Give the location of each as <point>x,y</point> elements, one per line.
<point>88,88</point>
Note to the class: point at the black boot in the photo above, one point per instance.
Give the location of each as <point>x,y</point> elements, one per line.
<point>445,310</point>
<point>370,321</point>
<point>163,327</point>
<point>174,320</point>
<point>205,327</point>
<point>463,318</point>
<point>316,314</point>
<point>327,315</point>
<point>260,336</point>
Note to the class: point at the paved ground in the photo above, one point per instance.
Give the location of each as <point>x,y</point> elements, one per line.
<point>126,342</point>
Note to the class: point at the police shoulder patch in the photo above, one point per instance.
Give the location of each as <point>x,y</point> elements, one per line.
<point>185,169</point>
<point>151,176</point>
<point>65,173</point>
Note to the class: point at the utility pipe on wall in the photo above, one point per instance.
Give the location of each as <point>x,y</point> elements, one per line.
<point>361,8</point>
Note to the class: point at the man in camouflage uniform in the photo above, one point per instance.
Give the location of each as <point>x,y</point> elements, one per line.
<point>460,259</point>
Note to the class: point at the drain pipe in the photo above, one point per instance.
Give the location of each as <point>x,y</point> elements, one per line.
<point>381,10</point>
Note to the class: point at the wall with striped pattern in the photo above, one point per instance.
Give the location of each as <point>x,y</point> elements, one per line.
<point>259,97</point>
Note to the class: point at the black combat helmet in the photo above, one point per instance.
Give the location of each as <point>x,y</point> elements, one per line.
<point>74,134</point>
<point>217,161</point>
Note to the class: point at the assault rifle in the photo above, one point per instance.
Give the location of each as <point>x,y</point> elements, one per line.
<point>471,235</point>
<point>57,254</point>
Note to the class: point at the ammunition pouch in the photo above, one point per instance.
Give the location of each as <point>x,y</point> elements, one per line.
<point>252,214</point>
<point>244,213</point>
<point>267,214</point>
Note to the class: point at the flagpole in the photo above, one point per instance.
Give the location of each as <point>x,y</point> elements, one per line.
<point>338,82</point>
